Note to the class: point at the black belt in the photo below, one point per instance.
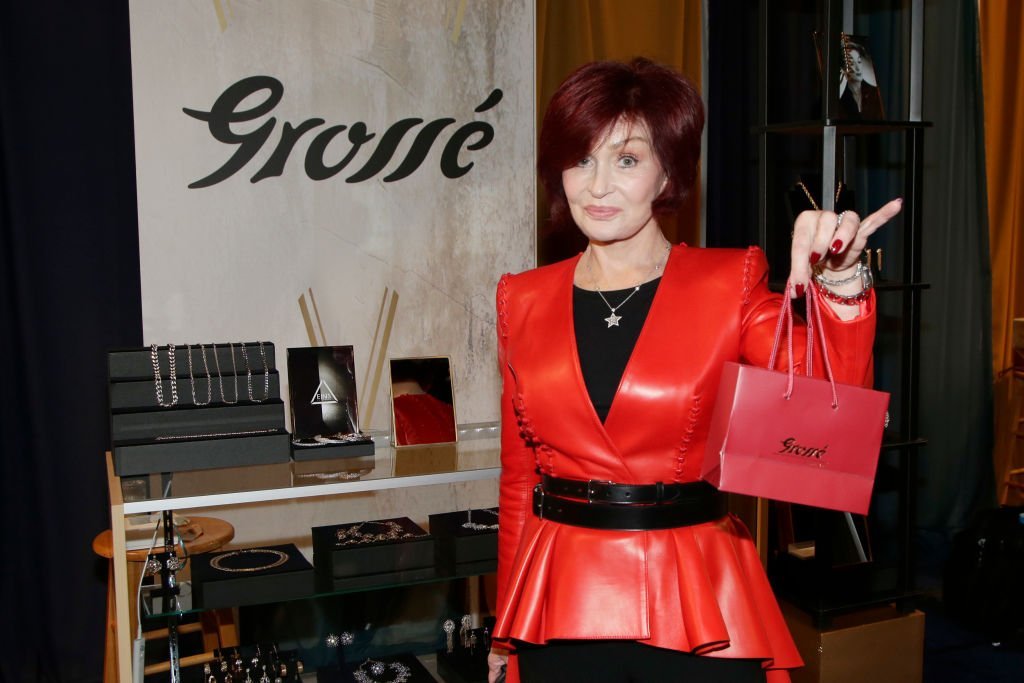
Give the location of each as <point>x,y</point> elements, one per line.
<point>693,503</point>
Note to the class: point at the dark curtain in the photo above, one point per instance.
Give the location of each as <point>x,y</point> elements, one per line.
<point>956,339</point>
<point>954,470</point>
<point>69,290</point>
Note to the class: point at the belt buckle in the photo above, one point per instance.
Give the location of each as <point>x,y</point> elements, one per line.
<point>539,488</point>
<point>590,487</point>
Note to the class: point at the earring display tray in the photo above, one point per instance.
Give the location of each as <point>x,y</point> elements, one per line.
<point>465,549</point>
<point>132,459</point>
<point>234,578</point>
<point>362,549</point>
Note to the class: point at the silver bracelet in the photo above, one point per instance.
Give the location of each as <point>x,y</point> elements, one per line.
<point>476,526</point>
<point>354,535</point>
<point>858,273</point>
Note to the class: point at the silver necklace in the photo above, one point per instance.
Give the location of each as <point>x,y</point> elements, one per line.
<point>192,378</point>
<point>613,319</point>
<point>248,374</point>
<point>220,378</point>
<point>354,535</point>
<point>158,382</point>
<point>476,526</point>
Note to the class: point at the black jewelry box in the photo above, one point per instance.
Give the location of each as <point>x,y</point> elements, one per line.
<point>171,422</point>
<point>147,457</point>
<point>463,550</point>
<point>213,587</point>
<point>357,560</point>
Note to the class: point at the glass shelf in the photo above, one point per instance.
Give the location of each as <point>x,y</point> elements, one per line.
<point>155,606</point>
<point>476,456</point>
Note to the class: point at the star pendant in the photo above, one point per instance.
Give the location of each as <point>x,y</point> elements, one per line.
<point>613,320</point>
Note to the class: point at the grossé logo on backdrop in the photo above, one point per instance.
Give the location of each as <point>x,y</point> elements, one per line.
<point>473,136</point>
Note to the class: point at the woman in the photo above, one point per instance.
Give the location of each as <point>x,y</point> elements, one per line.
<point>591,586</point>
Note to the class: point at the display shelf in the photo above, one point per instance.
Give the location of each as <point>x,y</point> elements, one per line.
<point>842,127</point>
<point>155,606</point>
<point>474,457</point>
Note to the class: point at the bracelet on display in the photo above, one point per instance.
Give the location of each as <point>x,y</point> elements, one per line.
<point>217,562</point>
<point>217,435</point>
<point>372,671</point>
<point>354,535</point>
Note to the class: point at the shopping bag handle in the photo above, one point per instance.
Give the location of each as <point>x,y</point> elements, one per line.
<point>814,327</point>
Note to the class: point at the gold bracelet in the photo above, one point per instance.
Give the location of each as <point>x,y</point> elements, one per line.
<point>216,562</point>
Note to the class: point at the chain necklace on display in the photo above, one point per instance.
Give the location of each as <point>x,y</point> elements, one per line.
<point>475,526</point>
<point>354,535</point>
<point>810,197</point>
<point>248,374</point>
<point>279,559</point>
<point>154,356</point>
<point>220,378</point>
<point>613,319</point>
<point>192,378</point>
<point>371,671</point>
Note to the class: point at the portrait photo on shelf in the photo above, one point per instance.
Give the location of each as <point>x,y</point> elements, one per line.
<point>860,96</point>
<point>322,388</point>
<point>422,401</point>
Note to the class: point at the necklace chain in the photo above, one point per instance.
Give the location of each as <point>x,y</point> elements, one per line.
<point>613,319</point>
<point>154,356</point>
<point>810,197</point>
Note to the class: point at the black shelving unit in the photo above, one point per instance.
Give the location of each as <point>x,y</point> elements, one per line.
<point>800,129</point>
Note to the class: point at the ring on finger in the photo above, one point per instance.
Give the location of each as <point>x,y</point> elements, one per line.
<point>839,219</point>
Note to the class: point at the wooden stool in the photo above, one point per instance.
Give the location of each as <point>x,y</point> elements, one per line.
<point>218,627</point>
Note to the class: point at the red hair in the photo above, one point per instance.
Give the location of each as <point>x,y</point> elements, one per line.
<point>598,95</point>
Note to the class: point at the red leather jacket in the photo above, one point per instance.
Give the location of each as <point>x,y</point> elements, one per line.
<point>700,588</point>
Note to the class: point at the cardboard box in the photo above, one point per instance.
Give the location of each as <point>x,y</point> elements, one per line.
<point>880,645</point>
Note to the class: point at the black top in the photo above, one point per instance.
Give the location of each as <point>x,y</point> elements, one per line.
<point>604,351</point>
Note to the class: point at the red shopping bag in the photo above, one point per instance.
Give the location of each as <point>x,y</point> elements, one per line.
<point>795,438</point>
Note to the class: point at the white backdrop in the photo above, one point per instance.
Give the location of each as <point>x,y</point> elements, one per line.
<point>230,260</point>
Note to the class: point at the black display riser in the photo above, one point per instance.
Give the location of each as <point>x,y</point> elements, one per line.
<point>200,454</point>
<point>176,422</point>
<point>130,364</point>
<point>141,394</point>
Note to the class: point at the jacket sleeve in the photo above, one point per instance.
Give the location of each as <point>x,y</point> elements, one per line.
<point>850,342</point>
<point>518,462</point>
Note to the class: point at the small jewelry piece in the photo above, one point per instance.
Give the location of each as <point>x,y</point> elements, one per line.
<point>281,558</point>
<point>470,524</point>
<point>154,357</point>
<point>206,669</point>
<point>332,641</point>
<point>223,665</point>
<point>840,217</point>
<point>216,435</point>
<point>858,274</point>
<point>464,626</point>
<point>878,259</point>
<point>153,566</point>
<point>192,378</point>
<point>354,535</point>
<point>867,280</point>
<point>347,638</point>
<point>449,628</point>
<point>613,319</point>
<point>401,672</point>
<point>810,197</point>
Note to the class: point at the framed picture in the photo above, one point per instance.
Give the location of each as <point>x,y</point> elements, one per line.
<point>422,401</point>
<point>322,387</point>
<point>860,98</point>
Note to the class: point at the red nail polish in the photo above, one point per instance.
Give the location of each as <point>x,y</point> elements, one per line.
<point>836,247</point>
<point>815,257</point>
<point>799,291</point>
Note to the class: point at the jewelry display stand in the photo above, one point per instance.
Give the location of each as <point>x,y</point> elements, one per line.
<point>477,460</point>
<point>466,541</point>
<point>804,133</point>
<point>371,553</point>
<point>251,576</point>
<point>198,406</point>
